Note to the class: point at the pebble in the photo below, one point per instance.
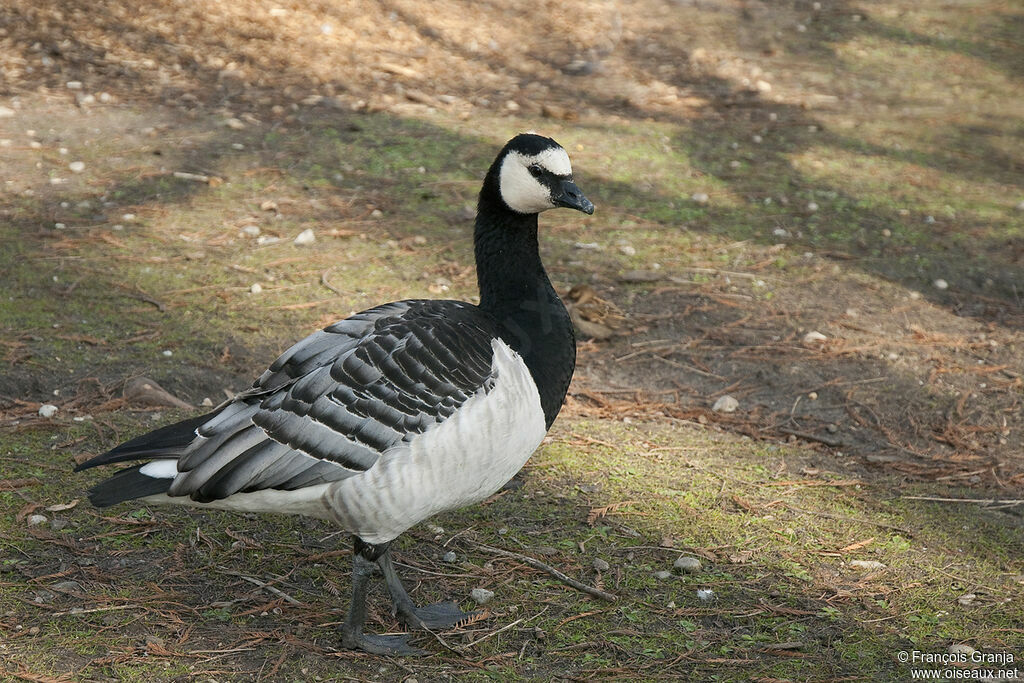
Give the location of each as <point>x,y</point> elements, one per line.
<point>449,556</point>
<point>929,219</point>
<point>47,410</point>
<point>662,575</point>
<point>705,594</point>
<point>1020,205</point>
<point>886,232</point>
<point>627,250</point>
<point>700,197</point>
<point>600,565</point>
<point>941,284</point>
<point>376,213</point>
<point>687,565</point>
<point>256,288</point>
<point>305,238</point>
<point>966,599</point>
<point>780,232</point>
<point>763,86</point>
<point>961,648</point>
<point>76,166</point>
<point>105,97</point>
<point>814,337</point>
<point>251,230</point>
<point>725,404</point>
<point>757,139</point>
<point>168,353</point>
<point>36,520</point>
<point>867,564</point>
<point>812,206</point>
<point>435,529</point>
<point>207,403</point>
<point>481,596</point>
<point>73,85</point>
<point>234,124</point>
<point>6,112</point>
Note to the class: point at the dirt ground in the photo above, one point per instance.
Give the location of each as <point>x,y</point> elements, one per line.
<point>813,208</point>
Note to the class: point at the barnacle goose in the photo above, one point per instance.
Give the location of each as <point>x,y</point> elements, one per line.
<point>395,414</point>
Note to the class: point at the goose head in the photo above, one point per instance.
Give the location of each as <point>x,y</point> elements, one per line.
<point>534,174</point>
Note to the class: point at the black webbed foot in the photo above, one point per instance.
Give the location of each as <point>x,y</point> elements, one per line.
<point>440,615</point>
<point>396,645</point>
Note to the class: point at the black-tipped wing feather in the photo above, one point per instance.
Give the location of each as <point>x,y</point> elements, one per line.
<point>330,405</point>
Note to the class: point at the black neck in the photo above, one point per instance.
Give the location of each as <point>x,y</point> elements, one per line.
<point>516,291</point>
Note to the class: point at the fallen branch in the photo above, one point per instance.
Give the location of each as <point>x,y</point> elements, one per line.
<point>1008,502</point>
<point>537,564</point>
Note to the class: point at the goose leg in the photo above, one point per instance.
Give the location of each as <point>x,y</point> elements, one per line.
<point>352,636</point>
<point>437,616</point>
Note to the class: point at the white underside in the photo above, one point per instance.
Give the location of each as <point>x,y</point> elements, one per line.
<point>463,460</point>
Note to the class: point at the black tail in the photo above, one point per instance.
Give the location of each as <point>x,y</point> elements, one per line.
<point>166,442</point>
<point>161,443</point>
<point>126,485</point>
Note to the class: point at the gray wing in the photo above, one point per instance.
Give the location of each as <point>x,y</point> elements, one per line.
<point>331,405</point>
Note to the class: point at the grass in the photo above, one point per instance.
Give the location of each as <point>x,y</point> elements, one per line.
<point>906,113</point>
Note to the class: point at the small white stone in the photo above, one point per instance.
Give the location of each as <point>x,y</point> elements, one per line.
<point>256,288</point>
<point>800,28</point>
<point>168,353</point>
<point>238,146</point>
<point>481,596</point>
<point>700,197</point>
<point>449,556</point>
<point>234,123</point>
<point>1020,205</point>
<point>76,166</point>
<point>63,151</point>
<point>627,250</point>
<point>36,520</point>
<point>47,410</point>
<point>814,337</point>
<point>73,85</point>
<point>915,295</point>
<point>929,219</point>
<point>207,403</point>
<point>128,217</point>
<point>251,230</point>
<point>757,139</point>
<point>6,112</point>
<point>734,164</point>
<point>305,238</point>
<point>813,395</point>
<point>812,206</point>
<point>961,648</point>
<point>725,404</point>
<point>940,284</point>
<point>780,232</point>
<point>58,181</point>
<point>376,213</point>
<point>59,226</point>
<point>687,564</point>
<point>886,232</point>
<point>966,599</point>
<point>705,594</point>
<point>763,86</point>
<point>105,97</point>
<point>867,564</point>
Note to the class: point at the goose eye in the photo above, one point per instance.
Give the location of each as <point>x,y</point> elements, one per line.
<point>536,171</point>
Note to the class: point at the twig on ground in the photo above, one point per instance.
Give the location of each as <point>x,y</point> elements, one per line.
<point>984,502</point>
<point>828,441</point>
<point>537,564</point>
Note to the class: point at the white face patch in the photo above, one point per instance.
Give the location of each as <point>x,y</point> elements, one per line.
<point>520,190</point>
